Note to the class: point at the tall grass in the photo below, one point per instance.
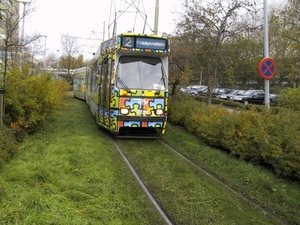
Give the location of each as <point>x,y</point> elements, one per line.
<point>277,195</point>
<point>188,195</point>
<point>71,173</point>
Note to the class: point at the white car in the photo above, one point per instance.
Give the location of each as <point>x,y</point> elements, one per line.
<point>193,89</point>
<point>231,94</point>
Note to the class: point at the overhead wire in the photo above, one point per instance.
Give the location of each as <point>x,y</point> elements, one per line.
<point>139,10</point>
<point>136,7</point>
<point>142,14</point>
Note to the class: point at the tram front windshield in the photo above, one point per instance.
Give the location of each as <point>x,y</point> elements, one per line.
<point>139,72</point>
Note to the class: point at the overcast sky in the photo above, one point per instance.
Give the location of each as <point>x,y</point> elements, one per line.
<point>87,19</point>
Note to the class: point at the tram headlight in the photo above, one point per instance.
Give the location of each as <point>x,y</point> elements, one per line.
<point>159,112</point>
<point>124,111</point>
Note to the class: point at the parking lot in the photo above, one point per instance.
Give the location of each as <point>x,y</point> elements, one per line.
<point>237,95</point>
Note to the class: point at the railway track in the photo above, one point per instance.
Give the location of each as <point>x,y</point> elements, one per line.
<point>144,187</point>
<point>156,202</point>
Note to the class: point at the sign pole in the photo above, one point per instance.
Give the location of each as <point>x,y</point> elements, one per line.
<point>266,52</point>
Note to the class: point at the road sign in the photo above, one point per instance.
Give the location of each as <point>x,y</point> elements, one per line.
<point>267,68</point>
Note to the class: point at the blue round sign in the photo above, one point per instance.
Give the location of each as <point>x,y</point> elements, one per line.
<point>267,68</point>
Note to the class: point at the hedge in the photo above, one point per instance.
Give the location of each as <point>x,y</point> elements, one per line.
<point>268,137</point>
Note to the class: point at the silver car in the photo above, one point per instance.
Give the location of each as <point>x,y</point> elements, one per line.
<point>231,94</point>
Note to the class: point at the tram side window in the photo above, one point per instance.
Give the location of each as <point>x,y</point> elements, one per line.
<point>102,82</point>
<point>105,82</point>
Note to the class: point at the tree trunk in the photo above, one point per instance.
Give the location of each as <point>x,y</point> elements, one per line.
<point>2,96</point>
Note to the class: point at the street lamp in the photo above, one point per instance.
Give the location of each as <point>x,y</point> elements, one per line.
<point>201,76</point>
<point>57,60</point>
<point>45,47</point>
<point>44,53</point>
<point>23,21</point>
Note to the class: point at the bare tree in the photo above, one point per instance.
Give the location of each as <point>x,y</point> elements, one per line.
<point>33,51</point>
<point>12,48</point>
<point>9,39</point>
<point>13,45</point>
<point>52,60</point>
<point>70,49</point>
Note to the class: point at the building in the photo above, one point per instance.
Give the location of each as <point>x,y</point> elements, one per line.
<point>9,15</point>
<point>9,28</point>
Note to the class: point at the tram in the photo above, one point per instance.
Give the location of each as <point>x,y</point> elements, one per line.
<point>127,85</point>
<point>79,82</point>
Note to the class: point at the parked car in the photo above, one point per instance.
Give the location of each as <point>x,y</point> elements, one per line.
<point>231,94</point>
<point>183,89</point>
<point>197,88</point>
<point>220,91</point>
<point>193,89</point>
<point>250,96</point>
<point>273,99</point>
<point>186,89</point>
<point>203,92</point>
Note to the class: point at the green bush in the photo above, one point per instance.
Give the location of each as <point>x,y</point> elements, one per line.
<point>283,150</point>
<point>260,135</point>
<point>8,144</point>
<point>32,99</point>
<point>290,98</point>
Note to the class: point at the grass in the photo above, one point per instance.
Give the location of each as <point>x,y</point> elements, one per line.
<point>71,173</point>
<point>273,193</point>
<point>188,195</point>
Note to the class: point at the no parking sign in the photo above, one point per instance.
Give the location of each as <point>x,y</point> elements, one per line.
<point>267,68</point>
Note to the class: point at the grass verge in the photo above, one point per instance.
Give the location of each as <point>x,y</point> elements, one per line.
<point>276,195</point>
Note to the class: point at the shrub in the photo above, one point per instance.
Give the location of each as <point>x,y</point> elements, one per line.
<point>181,102</point>
<point>290,98</point>
<point>32,99</point>
<point>260,135</point>
<point>8,144</point>
<point>283,150</point>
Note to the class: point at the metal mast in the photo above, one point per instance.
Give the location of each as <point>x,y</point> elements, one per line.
<point>156,17</point>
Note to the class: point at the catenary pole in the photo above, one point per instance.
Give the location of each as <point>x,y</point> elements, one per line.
<point>156,17</point>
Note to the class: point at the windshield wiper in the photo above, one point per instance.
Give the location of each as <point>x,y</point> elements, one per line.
<point>122,83</point>
<point>162,81</point>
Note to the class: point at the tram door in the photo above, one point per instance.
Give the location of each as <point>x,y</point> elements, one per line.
<point>104,92</point>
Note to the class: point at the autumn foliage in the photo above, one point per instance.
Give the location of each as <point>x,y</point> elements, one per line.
<point>32,99</point>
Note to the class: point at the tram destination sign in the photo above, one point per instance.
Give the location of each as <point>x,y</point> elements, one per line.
<point>144,43</point>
